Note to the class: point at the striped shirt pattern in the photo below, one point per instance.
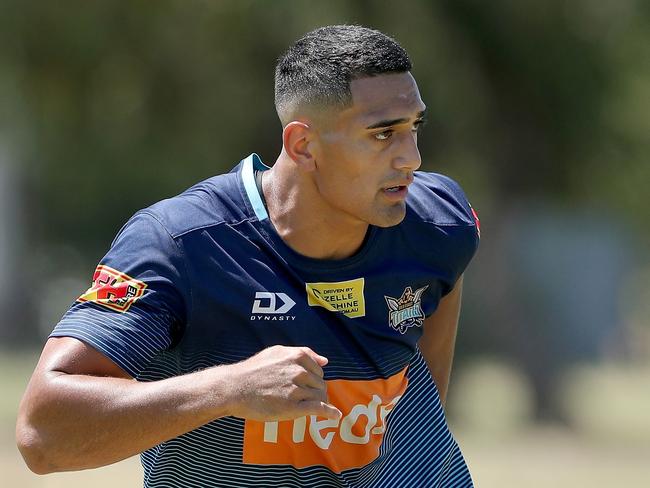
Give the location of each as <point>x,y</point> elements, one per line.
<point>420,445</point>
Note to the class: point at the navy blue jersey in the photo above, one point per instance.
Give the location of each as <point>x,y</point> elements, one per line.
<point>203,279</point>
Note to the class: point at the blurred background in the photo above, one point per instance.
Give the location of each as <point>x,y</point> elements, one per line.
<point>539,108</point>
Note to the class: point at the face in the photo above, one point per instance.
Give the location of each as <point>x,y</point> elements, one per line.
<point>366,154</point>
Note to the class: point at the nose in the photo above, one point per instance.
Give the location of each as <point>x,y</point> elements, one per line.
<point>408,154</point>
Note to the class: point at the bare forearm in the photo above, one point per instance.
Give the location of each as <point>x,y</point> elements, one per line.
<point>441,373</point>
<point>77,421</point>
<point>69,421</point>
<point>439,339</point>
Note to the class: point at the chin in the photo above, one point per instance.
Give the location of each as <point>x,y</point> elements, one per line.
<point>390,217</point>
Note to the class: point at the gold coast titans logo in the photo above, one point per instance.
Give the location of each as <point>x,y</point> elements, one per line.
<point>406,311</point>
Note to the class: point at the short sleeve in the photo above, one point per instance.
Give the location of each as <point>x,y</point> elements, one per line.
<point>443,231</point>
<point>137,304</point>
<point>465,234</point>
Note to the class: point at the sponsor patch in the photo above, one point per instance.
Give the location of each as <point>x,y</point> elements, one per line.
<point>406,311</point>
<point>351,442</point>
<point>345,297</point>
<point>113,289</point>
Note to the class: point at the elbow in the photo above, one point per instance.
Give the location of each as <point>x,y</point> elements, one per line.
<point>33,449</point>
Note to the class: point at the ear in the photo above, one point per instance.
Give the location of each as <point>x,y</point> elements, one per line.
<point>297,138</point>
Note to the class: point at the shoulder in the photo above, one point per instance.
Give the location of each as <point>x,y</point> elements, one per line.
<point>214,201</point>
<point>440,226</point>
<point>437,199</point>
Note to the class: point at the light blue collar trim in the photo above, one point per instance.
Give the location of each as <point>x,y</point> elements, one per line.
<point>250,164</point>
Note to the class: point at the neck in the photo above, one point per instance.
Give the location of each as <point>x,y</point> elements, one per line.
<point>304,221</point>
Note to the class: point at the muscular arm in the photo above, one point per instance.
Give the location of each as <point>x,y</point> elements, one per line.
<point>82,411</point>
<point>439,337</point>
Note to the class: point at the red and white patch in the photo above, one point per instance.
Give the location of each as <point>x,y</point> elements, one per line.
<point>113,289</point>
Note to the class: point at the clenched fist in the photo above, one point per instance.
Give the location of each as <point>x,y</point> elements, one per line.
<point>280,383</point>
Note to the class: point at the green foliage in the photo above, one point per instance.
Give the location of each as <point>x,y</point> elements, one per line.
<point>111,106</point>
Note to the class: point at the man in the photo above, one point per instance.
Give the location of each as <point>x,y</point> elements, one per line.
<point>285,325</point>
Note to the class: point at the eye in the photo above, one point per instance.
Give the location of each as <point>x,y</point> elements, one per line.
<point>382,136</point>
<point>418,124</point>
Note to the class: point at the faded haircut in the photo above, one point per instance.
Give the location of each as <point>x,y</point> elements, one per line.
<point>318,68</point>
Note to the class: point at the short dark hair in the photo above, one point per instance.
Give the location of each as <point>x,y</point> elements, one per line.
<point>318,67</point>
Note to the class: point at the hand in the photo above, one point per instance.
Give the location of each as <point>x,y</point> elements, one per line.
<point>280,383</point>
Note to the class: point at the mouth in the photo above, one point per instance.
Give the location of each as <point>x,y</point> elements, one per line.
<point>394,189</point>
<point>397,192</point>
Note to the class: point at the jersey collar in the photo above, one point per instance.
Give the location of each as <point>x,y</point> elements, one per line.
<point>249,165</point>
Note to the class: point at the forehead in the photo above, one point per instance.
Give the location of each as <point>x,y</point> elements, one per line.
<point>388,96</point>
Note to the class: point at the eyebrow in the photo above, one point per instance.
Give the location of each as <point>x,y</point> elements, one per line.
<point>391,122</point>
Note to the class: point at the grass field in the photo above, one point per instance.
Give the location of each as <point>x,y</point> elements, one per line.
<point>609,447</point>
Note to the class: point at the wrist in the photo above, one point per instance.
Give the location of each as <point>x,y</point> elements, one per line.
<point>224,391</point>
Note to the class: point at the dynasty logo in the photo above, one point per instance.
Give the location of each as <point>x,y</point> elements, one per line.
<point>406,311</point>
